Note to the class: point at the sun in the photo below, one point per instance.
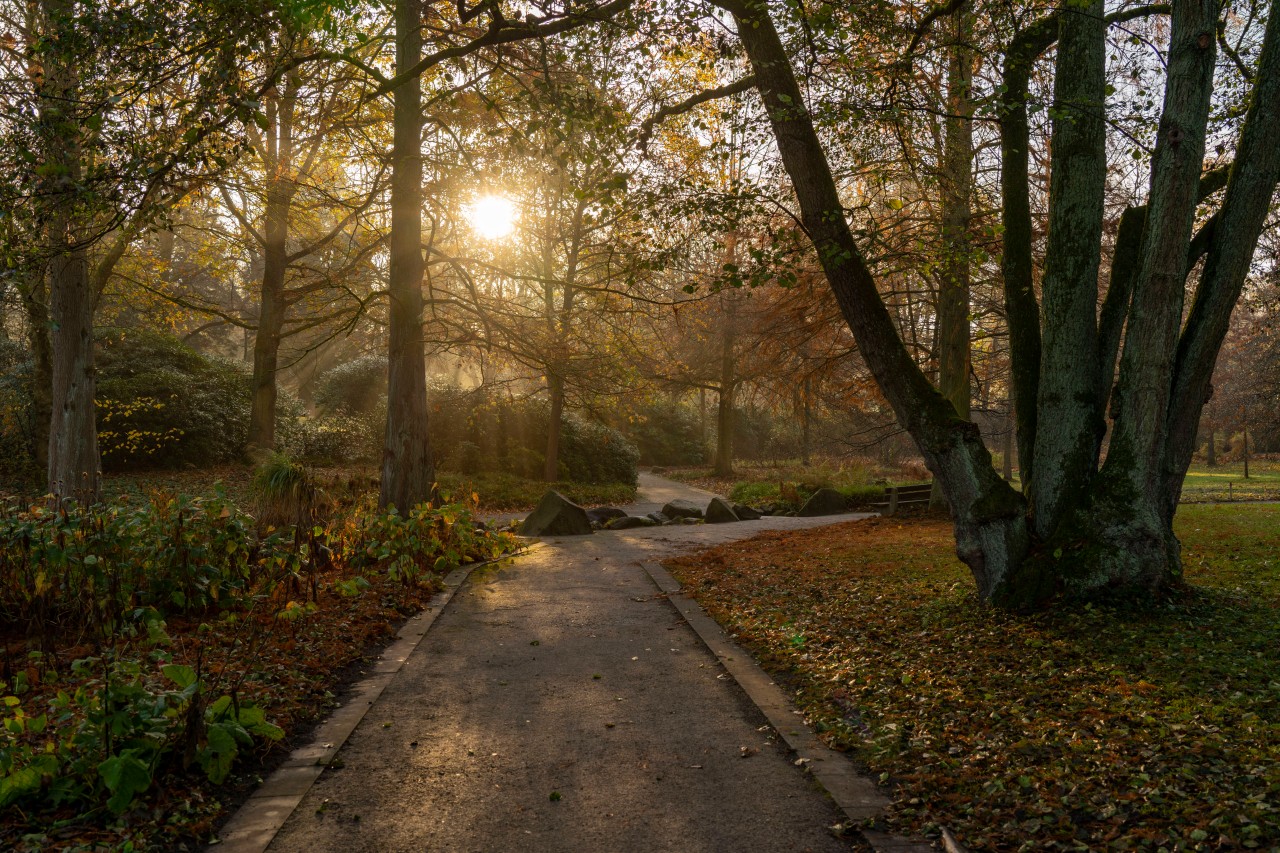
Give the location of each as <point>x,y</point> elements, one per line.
<point>491,217</point>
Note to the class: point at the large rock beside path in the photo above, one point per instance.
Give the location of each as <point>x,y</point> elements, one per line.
<point>681,508</point>
<point>720,512</point>
<point>556,515</point>
<point>747,513</point>
<point>824,502</point>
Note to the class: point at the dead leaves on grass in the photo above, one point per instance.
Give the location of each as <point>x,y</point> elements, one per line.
<point>1082,729</point>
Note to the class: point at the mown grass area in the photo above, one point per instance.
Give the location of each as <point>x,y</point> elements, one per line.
<point>1087,728</point>
<point>1227,482</point>
<point>789,484</point>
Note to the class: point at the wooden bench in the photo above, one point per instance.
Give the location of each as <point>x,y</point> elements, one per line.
<point>916,494</point>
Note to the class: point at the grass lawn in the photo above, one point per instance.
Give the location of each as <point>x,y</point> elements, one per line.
<point>1227,482</point>
<point>863,482</point>
<point>1083,729</point>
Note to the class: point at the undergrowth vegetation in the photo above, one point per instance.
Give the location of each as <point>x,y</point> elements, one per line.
<point>151,642</point>
<point>1085,728</point>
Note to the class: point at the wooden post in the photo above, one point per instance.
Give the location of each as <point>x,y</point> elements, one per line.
<point>893,500</point>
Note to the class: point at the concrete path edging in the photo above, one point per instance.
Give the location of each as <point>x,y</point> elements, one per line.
<point>854,794</point>
<point>255,825</point>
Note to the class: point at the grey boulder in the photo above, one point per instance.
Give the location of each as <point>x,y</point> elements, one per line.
<point>556,515</point>
<point>720,512</point>
<point>747,513</point>
<point>681,508</point>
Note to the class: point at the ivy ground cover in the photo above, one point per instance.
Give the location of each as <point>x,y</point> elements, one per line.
<point>1082,728</point>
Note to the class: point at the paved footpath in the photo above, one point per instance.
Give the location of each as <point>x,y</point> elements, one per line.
<point>560,703</point>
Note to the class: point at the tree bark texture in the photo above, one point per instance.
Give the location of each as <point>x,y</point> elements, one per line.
<point>728,383</point>
<point>73,460</point>
<point>1068,422</point>
<point>956,185</point>
<point>1240,220</point>
<point>555,422</point>
<point>1131,483</point>
<point>408,474</point>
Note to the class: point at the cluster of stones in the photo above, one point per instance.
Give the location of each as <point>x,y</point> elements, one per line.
<point>556,515</point>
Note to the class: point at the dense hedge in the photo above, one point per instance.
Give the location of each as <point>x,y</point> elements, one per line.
<point>161,403</point>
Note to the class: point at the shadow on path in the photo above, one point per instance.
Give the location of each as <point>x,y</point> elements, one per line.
<point>560,703</point>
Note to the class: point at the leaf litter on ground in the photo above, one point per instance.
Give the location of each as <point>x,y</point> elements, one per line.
<point>1083,728</point>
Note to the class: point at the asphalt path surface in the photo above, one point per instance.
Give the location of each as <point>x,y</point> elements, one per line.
<point>560,703</point>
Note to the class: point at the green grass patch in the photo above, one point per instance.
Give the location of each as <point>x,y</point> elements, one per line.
<point>1227,482</point>
<point>1086,728</point>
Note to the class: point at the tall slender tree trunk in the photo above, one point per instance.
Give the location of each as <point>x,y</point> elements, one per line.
<point>957,188</point>
<point>408,474</point>
<point>805,398</point>
<point>73,461</point>
<point>1239,222</point>
<point>271,317</point>
<point>35,296</point>
<point>727,388</point>
<point>1068,422</point>
<point>555,419</point>
<point>278,160</point>
<point>73,434</point>
<point>1245,437</point>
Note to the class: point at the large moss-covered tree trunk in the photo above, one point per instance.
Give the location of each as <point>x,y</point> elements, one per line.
<point>1085,528</point>
<point>408,473</point>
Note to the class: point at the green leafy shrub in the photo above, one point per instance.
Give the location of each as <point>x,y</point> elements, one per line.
<point>161,403</point>
<point>119,728</point>
<point>340,439</point>
<point>426,541</point>
<point>71,570</point>
<point>357,387</point>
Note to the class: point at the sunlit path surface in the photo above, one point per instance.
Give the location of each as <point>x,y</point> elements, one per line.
<point>559,703</point>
